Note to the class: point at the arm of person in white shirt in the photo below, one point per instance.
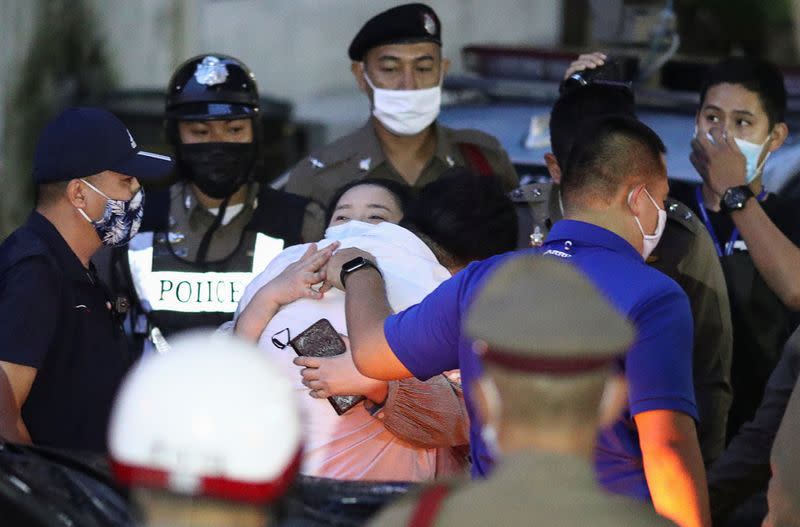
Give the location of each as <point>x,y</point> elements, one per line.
<point>291,284</point>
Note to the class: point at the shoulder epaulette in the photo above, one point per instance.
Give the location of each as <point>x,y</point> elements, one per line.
<point>475,137</point>
<point>680,213</point>
<point>531,193</point>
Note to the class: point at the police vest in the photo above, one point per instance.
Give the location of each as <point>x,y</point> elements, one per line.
<point>177,294</point>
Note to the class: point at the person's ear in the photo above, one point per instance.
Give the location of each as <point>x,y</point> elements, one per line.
<point>613,401</point>
<point>445,67</point>
<point>779,134</point>
<point>76,194</point>
<point>358,72</point>
<point>632,198</point>
<point>553,168</point>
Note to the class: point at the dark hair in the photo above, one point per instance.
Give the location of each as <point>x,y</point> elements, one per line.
<point>606,153</point>
<point>467,215</point>
<point>581,103</point>
<point>401,192</point>
<point>49,193</point>
<point>755,75</point>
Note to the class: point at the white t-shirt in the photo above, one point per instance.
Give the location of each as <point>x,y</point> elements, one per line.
<point>356,445</point>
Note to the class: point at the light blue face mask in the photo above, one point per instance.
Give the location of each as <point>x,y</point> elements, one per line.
<point>751,153</point>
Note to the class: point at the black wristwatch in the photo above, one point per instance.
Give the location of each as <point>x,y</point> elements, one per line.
<point>354,265</point>
<point>735,198</point>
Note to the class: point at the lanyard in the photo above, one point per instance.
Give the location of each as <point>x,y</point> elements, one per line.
<point>734,235</point>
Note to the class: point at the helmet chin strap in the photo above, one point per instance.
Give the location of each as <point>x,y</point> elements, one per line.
<point>202,250</point>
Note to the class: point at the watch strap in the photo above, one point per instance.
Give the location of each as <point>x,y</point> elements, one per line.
<point>354,265</point>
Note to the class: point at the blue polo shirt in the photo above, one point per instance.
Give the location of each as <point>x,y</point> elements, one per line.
<point>427,339</point>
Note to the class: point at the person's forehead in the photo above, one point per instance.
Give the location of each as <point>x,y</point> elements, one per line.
<point>362,193</point>
<point>405,51</point>
<point>733,97</point>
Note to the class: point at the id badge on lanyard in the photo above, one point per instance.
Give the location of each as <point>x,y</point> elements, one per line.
<point>728,249</point>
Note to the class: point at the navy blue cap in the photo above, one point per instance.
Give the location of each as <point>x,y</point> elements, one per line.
<point>402,24</point>
<point>85,141</point>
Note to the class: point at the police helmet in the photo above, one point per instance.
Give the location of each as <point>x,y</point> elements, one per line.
<point>212,417</point>
<point>211,87</point>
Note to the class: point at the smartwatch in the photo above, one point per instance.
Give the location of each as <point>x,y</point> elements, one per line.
<point>735,198</point>
<point>354,265</point>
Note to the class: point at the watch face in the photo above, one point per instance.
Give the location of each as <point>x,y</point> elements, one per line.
<point>736,197</point>
<point>353,264</point>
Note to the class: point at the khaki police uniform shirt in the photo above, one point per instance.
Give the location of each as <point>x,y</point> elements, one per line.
<point>189,221</point>
<point>360,155</point>
<point>532,488</point>
<point>687,255</point>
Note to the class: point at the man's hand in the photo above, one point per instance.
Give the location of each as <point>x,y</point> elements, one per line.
<point>334,268</point>
<point>587,61</point>
<point>326,376</point>
<point>718,161</point>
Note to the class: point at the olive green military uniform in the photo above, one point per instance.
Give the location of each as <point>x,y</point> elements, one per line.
<point>686,254</point>
<point>360,155</point>
<point>531,488</point>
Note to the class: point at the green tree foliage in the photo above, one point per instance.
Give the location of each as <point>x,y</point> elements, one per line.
<point>66,65</point>
<point>721,27</point>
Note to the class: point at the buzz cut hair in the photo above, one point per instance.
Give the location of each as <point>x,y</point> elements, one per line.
<point>49,193</point>
<point>606,154</point>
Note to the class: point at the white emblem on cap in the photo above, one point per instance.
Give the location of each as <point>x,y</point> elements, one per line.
<point>133,143</point>
<point>211,71</point>
<point>364,163</point>
<point>430,23</point>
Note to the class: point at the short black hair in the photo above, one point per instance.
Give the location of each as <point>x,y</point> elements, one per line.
<point>578,104</point>
<point>468,215</point>
<point>49,193</point>
<point>607,152</point>
<point>401,192</point>
<point>755,75</point>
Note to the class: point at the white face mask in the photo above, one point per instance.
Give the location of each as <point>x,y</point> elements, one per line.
<point>406,112</point>
<point>650,241</point>
<point>348,229</point>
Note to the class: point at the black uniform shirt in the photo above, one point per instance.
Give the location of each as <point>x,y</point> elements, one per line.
<point>55,316</point>
<point>761,322</point>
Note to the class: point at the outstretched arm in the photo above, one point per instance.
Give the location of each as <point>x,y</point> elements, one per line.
<point>291,284</point>
<point>366,309</point>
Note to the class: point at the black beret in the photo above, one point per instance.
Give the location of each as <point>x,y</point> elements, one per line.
<point>401,24</point>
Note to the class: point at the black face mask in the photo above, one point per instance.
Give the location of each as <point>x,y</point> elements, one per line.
<point>218,169</point>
